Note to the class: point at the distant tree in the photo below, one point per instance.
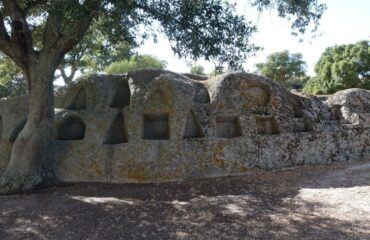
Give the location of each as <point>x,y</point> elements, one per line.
<point>341,67</point>
<point>217,70</point>
<point>135,63</point>
<point>197,70</point>
<point>283,67</point>
<point>314,86</point>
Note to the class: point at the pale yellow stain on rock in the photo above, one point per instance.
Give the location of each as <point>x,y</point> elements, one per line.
<point>219,156</point>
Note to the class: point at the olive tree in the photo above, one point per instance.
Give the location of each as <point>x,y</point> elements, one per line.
<point>202,28</point>
<point>283,67</point>
<point>341,67</point>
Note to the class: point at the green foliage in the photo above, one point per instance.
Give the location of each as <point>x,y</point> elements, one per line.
<point>217,71</point>
<point>313,86</point>
<point>197,70</point>
<point>341,67</point>
<point>135,63</point>
<point>301,13</point>
<point>195,28</point>
<point>207,28</point>
<point>13,88</point>
<point>93,54</point>
<point>8,70</point>
<point>284,67</point>
<point>11,79</point>
<point>297,83</point>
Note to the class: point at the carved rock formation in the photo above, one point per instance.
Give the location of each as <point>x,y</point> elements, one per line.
<point>157,126</point>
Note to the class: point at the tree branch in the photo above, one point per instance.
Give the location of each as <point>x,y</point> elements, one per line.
<point>52,29</point>
<point>68,79</point>
<point>4,37</point>
<point>21,33</point>
<point>8,47</point>
<point>63,42</point>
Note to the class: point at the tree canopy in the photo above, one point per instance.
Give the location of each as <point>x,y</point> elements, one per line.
<point>186,23</point>
<point>93,53</point>
<point>283,67</point>
<point>341,67</point>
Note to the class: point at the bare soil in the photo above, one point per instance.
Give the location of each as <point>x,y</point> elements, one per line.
<point>310,202</point>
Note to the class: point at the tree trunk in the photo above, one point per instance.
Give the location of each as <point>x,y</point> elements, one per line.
<point>30,166</point>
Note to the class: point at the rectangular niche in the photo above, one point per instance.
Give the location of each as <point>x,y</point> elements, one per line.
<point>267,125</point>
<point>302,125</point>
<point>192,127</point>
<point>156,126</point>
<point>228,127</point>
<point>121,97</point>
<point>117,132</point>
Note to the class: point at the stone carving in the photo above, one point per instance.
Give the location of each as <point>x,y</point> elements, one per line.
<point>78,101</point>
<point>17,129</point>
<point>228,126</point>
<point>117,131</point>
<point>71,128</point>
<point>122,95</point>
<point>157,126</point>
<point>192,127</point>
<point>201,94</point>
<point>267,125</point>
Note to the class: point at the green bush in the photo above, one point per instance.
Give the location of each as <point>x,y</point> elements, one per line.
<point>197,70</point>
<point>135,63</point>
<point>341,67</point>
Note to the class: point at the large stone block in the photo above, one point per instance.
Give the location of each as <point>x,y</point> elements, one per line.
<point>157,126</point>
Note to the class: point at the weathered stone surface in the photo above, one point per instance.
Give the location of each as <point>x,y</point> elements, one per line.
<point>157,126</point>
<point>351,105</point>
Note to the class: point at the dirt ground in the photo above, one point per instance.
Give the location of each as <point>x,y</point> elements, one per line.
<point>311,202</point>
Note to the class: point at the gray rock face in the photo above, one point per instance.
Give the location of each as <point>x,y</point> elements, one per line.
<point>156,126</point>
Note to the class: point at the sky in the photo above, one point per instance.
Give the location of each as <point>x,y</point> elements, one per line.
<point>345,21</point>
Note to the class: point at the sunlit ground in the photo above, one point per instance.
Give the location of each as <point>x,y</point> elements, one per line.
<point>312,202</point>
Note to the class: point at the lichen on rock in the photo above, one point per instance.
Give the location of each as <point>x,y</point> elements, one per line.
<point>157,126</point>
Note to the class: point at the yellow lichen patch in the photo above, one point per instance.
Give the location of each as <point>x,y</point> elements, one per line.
<point>167,176</point>
<point>219,162</point>
<point>96,169</point>
<point>242,169</point>
<point>242,93</point>
<point>133,170</point>
<point>274,102</point>
<point>138,173</point>
<point>246,106</point>
<point>220,106</point>
<point>219,156</point>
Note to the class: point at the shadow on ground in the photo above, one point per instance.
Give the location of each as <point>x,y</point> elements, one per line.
<point>311,202</point>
